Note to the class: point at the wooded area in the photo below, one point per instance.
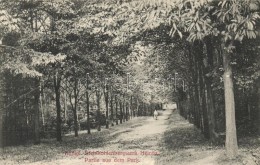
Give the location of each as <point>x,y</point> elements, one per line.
<point>71,65</point>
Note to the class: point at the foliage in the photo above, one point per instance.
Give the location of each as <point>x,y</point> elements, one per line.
<point>24,61</point>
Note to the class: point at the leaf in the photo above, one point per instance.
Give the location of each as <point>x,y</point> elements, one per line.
<point>198,27</point>
<point>191,26</point>
<point>250,25</point>
<point>236,36</point>
<point>180,34</point>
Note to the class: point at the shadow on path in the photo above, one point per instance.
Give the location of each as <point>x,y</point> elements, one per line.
<point>182,143</point>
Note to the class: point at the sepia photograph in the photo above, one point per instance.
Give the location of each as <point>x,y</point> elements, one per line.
<point>130,82</point>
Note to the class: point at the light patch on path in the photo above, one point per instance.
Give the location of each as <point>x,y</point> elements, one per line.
<point>150,128</point>
<point>141,139</point>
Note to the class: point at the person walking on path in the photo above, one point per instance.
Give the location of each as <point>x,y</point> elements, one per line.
<point>155,114</point>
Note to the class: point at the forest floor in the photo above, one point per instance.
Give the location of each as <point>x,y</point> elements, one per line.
<point>170,140</point>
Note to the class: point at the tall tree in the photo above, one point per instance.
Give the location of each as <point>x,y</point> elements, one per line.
<point>228,20</point>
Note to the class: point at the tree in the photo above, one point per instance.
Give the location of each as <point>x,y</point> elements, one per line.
<point>226,21</point>
<point>29,69</point>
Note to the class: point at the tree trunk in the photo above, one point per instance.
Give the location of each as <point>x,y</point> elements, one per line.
<point>196,96</point>
<point>98,111</point>
<point>1,111</point>
<point>231,134</point>
<point>65,107</point>
<point>124,108</point>
<point>258,95</point>
<point>75,118</point>
<point>88,104</point>
<point>131,107</point>
<point>201,73</point>
<point>127,110</point>
<point>192,88</point>
<point>137,107</point>
<point>58,107</point>
<point>36,112</point>
<point>211,111</point>
<point>74,108</point>
<point>88,122</point>
<point>106,101</point>
<point>142,109</point>
<point>116,109</point>
<point>191,106</point>
<point>111,108</point>
<point>46,107</point>
<point>209,92</point>
<point>41,105</point>
<point>121,112</point>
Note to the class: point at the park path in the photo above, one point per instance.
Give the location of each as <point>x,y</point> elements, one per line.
<point>137,143</point>
<point>133,142</point>
<point>170,140</point>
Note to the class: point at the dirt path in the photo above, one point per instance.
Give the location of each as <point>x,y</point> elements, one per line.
<point>170,140</point>
<point>137,144</point>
